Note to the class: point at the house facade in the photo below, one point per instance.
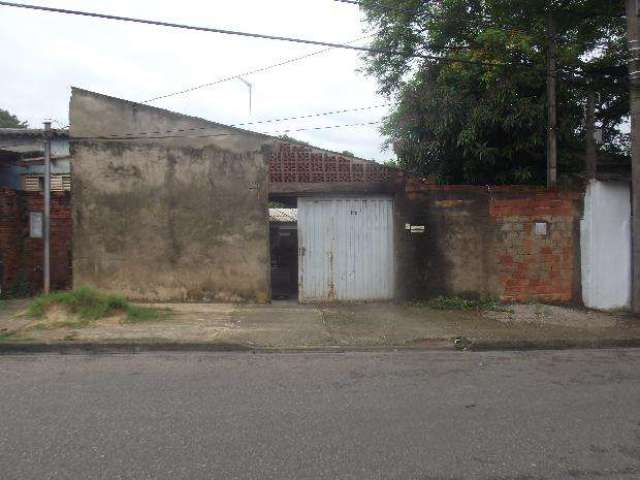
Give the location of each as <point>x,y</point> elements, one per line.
<point>21,210</point>
<point>22,159</point>
<point>169,207</point>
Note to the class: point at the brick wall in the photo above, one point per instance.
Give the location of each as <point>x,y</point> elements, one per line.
<point>11,228</point>
<point>482,240</point>
<point>294,163</point>
<point>23,256</point>
<point>533,266</point>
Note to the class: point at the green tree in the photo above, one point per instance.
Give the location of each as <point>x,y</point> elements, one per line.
<point>482,119</point>
<point>7,120</point>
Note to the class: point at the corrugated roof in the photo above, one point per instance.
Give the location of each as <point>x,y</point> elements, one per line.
<point>283,215</point>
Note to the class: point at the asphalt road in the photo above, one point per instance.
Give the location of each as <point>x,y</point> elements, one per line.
<point>405,415</point>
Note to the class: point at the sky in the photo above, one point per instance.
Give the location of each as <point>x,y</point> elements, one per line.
<point>44,54</point>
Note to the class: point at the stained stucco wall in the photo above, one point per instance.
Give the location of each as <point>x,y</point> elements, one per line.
<point>478,240</point>
<point>167,219</point>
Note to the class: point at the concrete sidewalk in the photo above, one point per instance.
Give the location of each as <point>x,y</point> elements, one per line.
<point>291,326</point>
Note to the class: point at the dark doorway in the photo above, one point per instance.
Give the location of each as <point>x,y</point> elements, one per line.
<point>283,232</point>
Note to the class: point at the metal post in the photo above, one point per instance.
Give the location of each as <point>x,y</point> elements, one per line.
<point>552,120</point>
<point>634,74</point>
<point>46,271</point>
<point>590,130</point>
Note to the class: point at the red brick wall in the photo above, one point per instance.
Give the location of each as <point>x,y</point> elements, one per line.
<point>535,267</point>
<point>11,227</point>
<point>481,240</point>
<point>22,255</point>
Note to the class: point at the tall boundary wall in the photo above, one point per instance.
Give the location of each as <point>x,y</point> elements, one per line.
<point>515,243</point>
<point>167,217</point>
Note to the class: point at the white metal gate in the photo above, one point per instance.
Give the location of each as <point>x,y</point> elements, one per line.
<point>345,248</point>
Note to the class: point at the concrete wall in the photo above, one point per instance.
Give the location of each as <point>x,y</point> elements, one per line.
<point>163,218</point>
<point>606,246</point>
<point>480,240</point>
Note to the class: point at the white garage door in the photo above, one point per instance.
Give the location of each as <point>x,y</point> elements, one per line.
<point>345,248</point>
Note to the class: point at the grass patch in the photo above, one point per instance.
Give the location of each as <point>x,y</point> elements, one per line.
<point>444,302</point>
<point>6,336</point>
<point>90,305</point>
<point>137,314</point>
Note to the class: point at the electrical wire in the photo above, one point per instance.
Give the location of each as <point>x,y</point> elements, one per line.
<point>249,72</point>
<point>260,35</point>
<point>258,122</point>
<point>227,134</point>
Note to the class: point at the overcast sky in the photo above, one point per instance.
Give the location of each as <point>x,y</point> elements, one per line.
<point>44,54</point>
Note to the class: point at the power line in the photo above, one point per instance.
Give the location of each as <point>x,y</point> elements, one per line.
<point>257,70</point>
<point>314,115</point>
<point>226,134</point>
<point>260,35</point>
<point>362,124</point>
<point>154,133</point>
<point>184,26</point>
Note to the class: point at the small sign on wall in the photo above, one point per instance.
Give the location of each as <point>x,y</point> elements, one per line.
<point>541,229</point>
<point>35,224</point>
<point>417,228</point>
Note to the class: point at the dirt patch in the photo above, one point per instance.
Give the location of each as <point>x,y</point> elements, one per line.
<point>59,317</point>
<point>541,314</point>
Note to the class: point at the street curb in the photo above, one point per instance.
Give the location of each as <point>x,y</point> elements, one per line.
<point>66,348</point>
<point>503,345</point>
<point>70,348</point>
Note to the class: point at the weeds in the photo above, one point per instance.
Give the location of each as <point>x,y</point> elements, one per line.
<point>443,302</point>
<point>19,288</point>
<point>6,336</point>
<point>136,314</point>
<point>90,305</point>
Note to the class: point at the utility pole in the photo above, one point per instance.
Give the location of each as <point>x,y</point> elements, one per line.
<point>552,115</point>
<point>632,11</point>
<point>591,159</point>
<point>46,271</point>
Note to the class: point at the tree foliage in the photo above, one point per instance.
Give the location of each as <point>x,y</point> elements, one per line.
<point>7,120</point>
<point>482,118</point>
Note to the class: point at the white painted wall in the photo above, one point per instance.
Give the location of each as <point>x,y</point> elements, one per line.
<point>605,244</point>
